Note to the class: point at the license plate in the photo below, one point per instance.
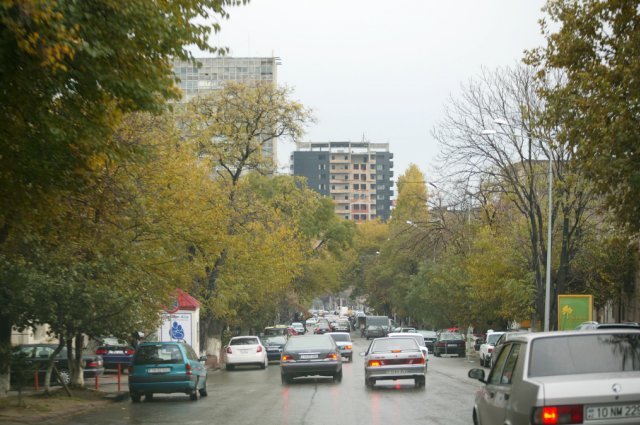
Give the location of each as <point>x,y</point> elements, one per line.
<point>116,352</point>
<point>308,356</point>
<point>451,345</point>
<point>613,412</point>
<point>273,349</point>
<point>396,372</point>
<point>159,370</point>
<point>244,351</point>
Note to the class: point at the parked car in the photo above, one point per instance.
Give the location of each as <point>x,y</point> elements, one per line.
<point>486,348</point>
<point>310,355</point>
<point>343,341</point>
<point>449,343</point>
<point>311,321</point>
<point>585,326</point>
<point>563,377</point>
<point>245,350</point>
<point>166,367</point>
<point>430,338</point>
<point>394,358</point>
<point>298,327</point>
<point>115,352</point>
<point>37,356</point>
<point>273,345</point>
<point>375,331</point>
<point>404,329</point>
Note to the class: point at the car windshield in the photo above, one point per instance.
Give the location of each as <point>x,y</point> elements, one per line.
<point>579,354</point>
<point>451,336</point>
<point>492,338</point>
<point>387,345</point>
<point>274,340</point>
<point>311,342</point>
<point>341,337</point>
<point>428,334</point>
<point>244,341</point>
<point>274,331</point>
<point>154,354</point>
<point>418,338</point>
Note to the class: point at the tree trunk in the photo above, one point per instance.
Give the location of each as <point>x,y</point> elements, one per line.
<point>50,362</point>
<point>5,351</point>
<point>76,364</point>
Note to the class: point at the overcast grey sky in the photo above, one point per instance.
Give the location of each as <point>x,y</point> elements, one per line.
<point>384,69</point>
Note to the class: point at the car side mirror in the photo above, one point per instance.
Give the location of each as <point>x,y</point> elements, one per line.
<point>477,373</point>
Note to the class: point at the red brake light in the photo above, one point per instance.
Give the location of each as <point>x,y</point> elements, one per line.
<point>101,351</point>
<point>229,350</point>
<point>188,367</point>
<point>130,351</point>
<point>332,356</point>
<point>286,358</point>
<point>417,361</point>
<point>375,363</point>
<point>348,347</point>
<point>92,364</point>
<point>570,414</point>
<point>259,349</point>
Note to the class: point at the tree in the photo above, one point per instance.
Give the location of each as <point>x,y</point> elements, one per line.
<point>69,72</point>
<point>596,45</point>
<point>514,162</point>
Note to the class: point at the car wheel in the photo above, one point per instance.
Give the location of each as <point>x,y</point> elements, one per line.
<point>285,379</point>
<point>475,418</point>
<point>264,364</point>
<point>203,390</point>
<point>229,366</point>
<point>148,397</point>
<point>369,383</point>
<point>135,397</point>
<point>64,377</point>
<point>337,377</point>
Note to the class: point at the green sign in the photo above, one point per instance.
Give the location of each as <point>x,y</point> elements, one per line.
<point>573,310</point>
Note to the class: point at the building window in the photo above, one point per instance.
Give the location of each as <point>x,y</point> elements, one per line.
<point>364,166</point>
<point>363,176</point>
<point>356,186</point>
<point>355,166</point>
<point>380,197</point>
<point>322,157</point>
<point>346,217</point>
<point>346,158</point>
<point>372,186</point>
<point>333,187</point>
<point>346,207</point>
<point>379,167</point>
<point>333,157</point>
<point>346,197</point>
<point>380,187</point>
<point>346,186</point>
<point>373,216</point>
<point>356,176</point>
<point>333,166</point>
<point>356,207</point>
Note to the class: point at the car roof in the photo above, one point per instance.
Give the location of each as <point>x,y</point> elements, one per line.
<point>245,336</point>
<point>530,336</point>
<point>338,333</point>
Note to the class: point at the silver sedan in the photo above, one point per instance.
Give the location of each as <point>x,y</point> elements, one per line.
<point>394,358</point>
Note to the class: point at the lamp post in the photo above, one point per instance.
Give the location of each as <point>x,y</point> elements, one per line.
<point>547,295</point>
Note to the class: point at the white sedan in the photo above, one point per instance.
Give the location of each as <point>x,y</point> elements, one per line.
<point>245,350</point>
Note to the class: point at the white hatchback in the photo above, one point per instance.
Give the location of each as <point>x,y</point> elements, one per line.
<point>245,350</point>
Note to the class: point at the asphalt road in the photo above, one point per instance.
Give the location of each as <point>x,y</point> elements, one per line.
<point>254,396</point>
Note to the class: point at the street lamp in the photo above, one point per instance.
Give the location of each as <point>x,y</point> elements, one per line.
<point>547,295</point>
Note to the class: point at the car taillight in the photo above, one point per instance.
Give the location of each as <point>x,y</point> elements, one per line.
<point>347,347</point>
<point>259,349</point>
<point>419,360</point>
<point>332,356</point>
<point>101,351</point>
<point>188,367</point>
<point>130,352</point>
<point>490,350</point>
<point>286,358</point>
<point>92,364</point>
<point>569,414</point>
<point>440,344</point>
<point>229,350</point>
<point>375,363</point>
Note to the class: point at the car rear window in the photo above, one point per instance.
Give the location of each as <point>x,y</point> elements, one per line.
<point>386,345</point>
<point>451,336</point>
<point>304,342</point>
<point>492,338</point>
<point>340,337</point>
<point>244,341</point>
<point>579,354</point>
<point>154,354</point>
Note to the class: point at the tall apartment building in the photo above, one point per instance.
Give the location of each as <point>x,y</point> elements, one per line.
<point>356,175</point>
<point>214,72</point>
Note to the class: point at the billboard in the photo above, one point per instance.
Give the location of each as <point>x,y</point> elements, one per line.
<point>177,327</point>
<point>573,310</point>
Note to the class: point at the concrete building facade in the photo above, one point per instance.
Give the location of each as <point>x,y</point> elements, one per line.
<point>358,176</point>
<point>211,74</point>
